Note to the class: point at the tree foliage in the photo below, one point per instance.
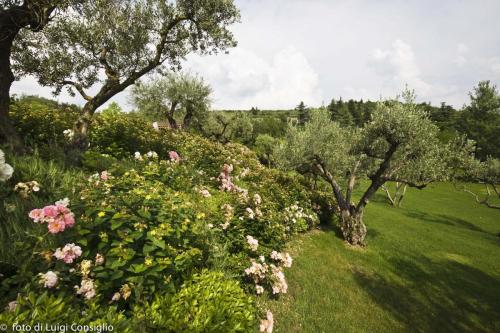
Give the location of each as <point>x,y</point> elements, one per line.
<point>173,97</point>
<point>303,113</point>
<point>480,120</point>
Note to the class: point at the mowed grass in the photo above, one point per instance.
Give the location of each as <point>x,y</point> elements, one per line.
<point>432,265</point>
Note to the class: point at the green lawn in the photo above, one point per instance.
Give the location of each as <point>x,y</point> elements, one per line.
<point>432,265</point>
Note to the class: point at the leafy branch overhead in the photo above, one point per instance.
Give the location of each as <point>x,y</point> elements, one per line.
<point>123,40</point>
<point>110,44</point>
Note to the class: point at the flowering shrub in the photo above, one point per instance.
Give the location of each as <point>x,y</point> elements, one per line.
<point>145,225</point>
<point>137,235</point>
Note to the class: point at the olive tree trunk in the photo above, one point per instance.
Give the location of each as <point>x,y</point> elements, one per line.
<point>352,227</point>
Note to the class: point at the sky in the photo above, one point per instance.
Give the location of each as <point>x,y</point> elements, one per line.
<point>315,50</point>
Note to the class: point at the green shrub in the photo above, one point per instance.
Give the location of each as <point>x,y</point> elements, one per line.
<point>121,135</point>
<point>95,161</point>
<point>211,303</point>
<point>42,122</point>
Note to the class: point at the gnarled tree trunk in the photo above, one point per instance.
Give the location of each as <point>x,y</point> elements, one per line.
<point>29,14</point>
<point>9,30</point>
<point>352,227</point>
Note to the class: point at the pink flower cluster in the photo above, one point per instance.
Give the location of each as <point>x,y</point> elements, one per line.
<point>68,253</point>
<point>58,217</point>
<point>174,157</point>
<point>226,179</point>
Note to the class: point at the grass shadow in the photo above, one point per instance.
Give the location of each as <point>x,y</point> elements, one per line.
<point>432,296</point>
<point>443,219</point>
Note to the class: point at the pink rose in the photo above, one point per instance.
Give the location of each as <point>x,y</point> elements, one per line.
<point>56,225</point>
<point>174,157</point>
<point>50,211</point>
<point>68,253</point>
<point>104,175</point>
<point>69,220</point>
<point>37,215</point>
<point>61,209</point>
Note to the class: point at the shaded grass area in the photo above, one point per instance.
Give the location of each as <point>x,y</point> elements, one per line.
<point>432,265</point>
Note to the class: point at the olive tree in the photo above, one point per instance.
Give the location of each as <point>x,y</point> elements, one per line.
<point>107,45</point>
<point>482,172</point>
<point>399,144</point>
<point>228,126</point>
<point>174,96</point>
<point>16,15</point>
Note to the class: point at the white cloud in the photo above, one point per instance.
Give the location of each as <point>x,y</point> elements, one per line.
<point>242,79</point>
<point>400,65</point>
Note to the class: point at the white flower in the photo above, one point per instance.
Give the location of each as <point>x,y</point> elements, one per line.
<point>225,225</point>
<point>116,297</point>
<point>99,259</point>
<point>259,289</point>
<point>11,307</point>
<point>85,266</point>
<point>210,225</point>
<point>68,253</point>
<point>63,202</point>
<point>266,325</point>
<point>251,214</point>
<point>283,258</point>
<point>49,279</point>
<point>87,288</point>
<point>205,193</point>
<point>6,170</point>
<point>257,199</point>
<point>138,156</point>
<point>257,271</point>
<point>287,262</point>
<point>253,243</point>
<point>279,282</point>
<point>151,154</point>
<point>155,126</point>
<point>69,134</point>
<point>35,187</point>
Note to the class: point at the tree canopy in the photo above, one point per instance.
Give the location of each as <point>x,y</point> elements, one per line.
<point>110,44</point>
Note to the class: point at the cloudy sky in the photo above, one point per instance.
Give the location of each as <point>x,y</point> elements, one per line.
<point>316,50</point>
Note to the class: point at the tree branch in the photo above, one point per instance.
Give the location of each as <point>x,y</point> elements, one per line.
<point>377,178</point>
<point>352,180</point>
<point>79,88</point>
<point>337,191</point>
